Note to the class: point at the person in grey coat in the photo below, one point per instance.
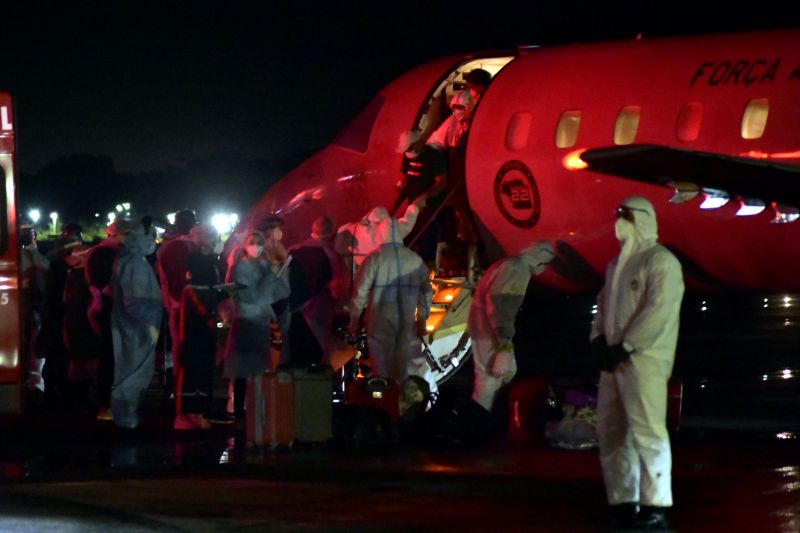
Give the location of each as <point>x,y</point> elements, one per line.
<point>135,321</point>
<point>258,287</point>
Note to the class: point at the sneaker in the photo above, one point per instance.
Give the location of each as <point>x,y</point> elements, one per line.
<point>622,515</point>
<point>651,518</point>
<point>183,422</point>
<point>104,413</point>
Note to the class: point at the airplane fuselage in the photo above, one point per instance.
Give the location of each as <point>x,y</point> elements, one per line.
<point>733,94</point>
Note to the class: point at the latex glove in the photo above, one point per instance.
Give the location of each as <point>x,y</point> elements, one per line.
<point>501,363</point>
<point>153,334</point>
<point>616,356</point>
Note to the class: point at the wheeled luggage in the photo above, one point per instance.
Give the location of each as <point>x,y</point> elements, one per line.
<point>375,392</point>
<point>269,410</point>
<point>313,403</point>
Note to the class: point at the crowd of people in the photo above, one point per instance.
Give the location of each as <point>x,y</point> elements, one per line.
<point>93,315</point>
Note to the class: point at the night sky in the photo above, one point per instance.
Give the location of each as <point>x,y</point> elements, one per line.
<point>156,103</point>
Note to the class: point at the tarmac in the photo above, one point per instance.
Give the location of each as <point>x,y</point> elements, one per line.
<point>65,471</point>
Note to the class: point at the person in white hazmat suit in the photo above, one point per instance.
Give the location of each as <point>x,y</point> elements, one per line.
<point>635,332</point>
<point>494,307</point>
<point>135,322</point>
<point>356,240</point>
<point>394,280</point>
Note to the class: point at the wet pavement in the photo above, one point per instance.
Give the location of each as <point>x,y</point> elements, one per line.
<point>67,472</point>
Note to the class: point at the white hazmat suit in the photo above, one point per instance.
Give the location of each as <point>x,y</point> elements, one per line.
<point>395,281</point>
<point>638,310</point>
<point>355,241</point>
<point>494,308</point>
<point>135,322</point>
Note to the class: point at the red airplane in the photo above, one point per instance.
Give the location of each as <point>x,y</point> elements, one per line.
<point>564,133</point>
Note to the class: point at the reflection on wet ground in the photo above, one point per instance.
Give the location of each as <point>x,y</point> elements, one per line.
<point>72,473</point>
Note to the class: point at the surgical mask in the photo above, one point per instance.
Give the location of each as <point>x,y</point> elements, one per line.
<point>254,250</point>
<point>623,230</point>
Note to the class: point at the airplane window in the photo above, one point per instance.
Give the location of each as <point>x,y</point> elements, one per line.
<point>355,135</point>
<point>519,127</point>
<point>754,120</point>
<point>689,121</point>
<point>627,124</point>
<point>567,130</point>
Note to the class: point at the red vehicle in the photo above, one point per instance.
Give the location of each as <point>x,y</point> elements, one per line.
<point>10,357</point>
<point>719,111</point>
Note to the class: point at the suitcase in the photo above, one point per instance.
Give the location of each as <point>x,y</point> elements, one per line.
<point>375,392</point>
<point>313,403</point>
<point>269,410</point>
<point>527,410</point>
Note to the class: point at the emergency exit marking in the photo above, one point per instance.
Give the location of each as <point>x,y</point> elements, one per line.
<point>5,122</point>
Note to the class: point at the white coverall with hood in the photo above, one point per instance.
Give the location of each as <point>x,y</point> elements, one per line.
<point>355,241</point>
<point>135,323</point>
<point>453,128</point>
<point>638,308</point>
<point>494,308</point>
<point>395,281</point>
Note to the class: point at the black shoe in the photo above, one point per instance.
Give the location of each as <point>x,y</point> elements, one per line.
<point>651,517</point>
<point>622,515</point>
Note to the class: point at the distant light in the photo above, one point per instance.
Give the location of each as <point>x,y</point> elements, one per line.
<point>35,215</point>
<point>786,435</point>
<point>764,377</point>
<point>119,208</point>
<point>787,301</point>
<point>97,215</point>
<point>112,217</point>
<point>171,218</point>
<point>221,222</point>
<point>787,322</point>
<point>126,206</point>
<point>766,300</point>
<point>704,308</point>
<point>787,374</point>
<point>702,386</point>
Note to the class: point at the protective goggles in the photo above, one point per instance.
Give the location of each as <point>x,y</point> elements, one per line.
<point>626,212</point>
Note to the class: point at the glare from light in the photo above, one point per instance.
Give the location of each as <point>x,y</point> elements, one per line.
<point>749,210</point>
<point>171,218</point>
<point>785,435</point>
<point>35,215</point>
<point>787,374</point>
<point>234,219</point>
<point>429,327</point>
<point>97,215</point>
<point>119,208</point>
<point>787,302</point>
<point>764,377</point>
<point>573,161</point>
<point>766,300</point>
<point>714,199</point>
<point>112,217</point>
<point>126,206</point>
<point>449,297</point>
<point>704,308</point>
<point>221,223</point>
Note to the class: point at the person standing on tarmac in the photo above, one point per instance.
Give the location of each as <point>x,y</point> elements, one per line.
<point>634,333</point>
<point>135,324</point>
<point>99,266</point>
<point>494,308</point>
<point>171,268</point>
<point>249,337</point>
<point>195,385</point>
<point>393,285</point>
